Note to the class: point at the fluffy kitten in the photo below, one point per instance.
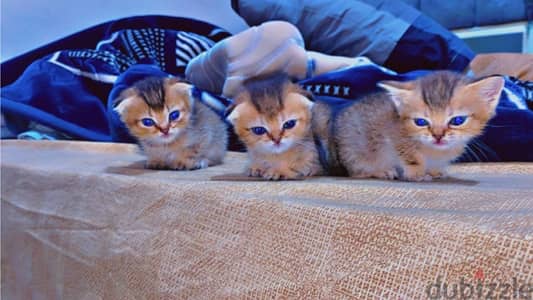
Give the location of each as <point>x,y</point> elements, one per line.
<point>412,130</point>
<point>173,129</point>
<point>272,117</point>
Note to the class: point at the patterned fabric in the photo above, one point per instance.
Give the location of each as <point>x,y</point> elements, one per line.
<point>190,45</point>
<point>169,50</point>
<point>523,89</point>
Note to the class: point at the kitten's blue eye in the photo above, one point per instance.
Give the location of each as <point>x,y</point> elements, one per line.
<point>457,121</point>
<point>174,115</point>
<point>289,124</point>
<point>259,130</point>
<point>421,122</point>
<point>148,122</point>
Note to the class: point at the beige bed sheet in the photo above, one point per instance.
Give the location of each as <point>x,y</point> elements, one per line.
<point>85,221</point>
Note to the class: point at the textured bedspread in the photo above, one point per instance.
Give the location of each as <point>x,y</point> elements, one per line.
<point>84,220</point>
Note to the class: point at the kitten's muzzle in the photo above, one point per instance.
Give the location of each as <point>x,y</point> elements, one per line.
<point>438,134</point>
<point>164,130</point>
<point>275,139</point>
<point>438,137</point>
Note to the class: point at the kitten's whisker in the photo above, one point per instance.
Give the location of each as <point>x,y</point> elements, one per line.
<point>499,126</point>
<point>479,150</point>
<point>491,153</point>
<point>476,153</point>
<point>468,154</point>
<point>481,154</point>
<point>473,153</point>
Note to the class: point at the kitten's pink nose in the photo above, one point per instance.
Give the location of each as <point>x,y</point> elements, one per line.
<point>276,141</point>
<point>164,130</point>
<point>438,137</point>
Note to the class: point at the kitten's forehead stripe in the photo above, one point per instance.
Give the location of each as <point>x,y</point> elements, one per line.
<point>437,89</point>
<point>267,94</point>
<point>152,91</point>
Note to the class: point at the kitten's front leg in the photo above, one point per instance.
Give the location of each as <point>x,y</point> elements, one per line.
<point>438,173</point>
<point>154,158</point>
<point>414,169</point>
<point>190,164</point>
<point>255,170</point>
<point>306,169</point>
<point>415,173</point>
<point>387,175</point>
<point>155,164</point>
<point>307,164</point>
<point>197,163</point>
<point>312,170</point>
<point>280,173</point>
<point>271,172</point>
<point>190,159</point>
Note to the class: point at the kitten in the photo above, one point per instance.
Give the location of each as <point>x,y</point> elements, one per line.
<point>410,131</point>
<point>272,117</point>
<point>173,129</point>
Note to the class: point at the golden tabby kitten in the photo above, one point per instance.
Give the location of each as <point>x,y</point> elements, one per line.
<point>272,117</point>
<point>173,129</point>
<point>410,131</point>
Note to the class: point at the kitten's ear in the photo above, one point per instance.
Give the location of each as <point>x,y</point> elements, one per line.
<point>122,105</point>
<point>232,113</point>
<point>182,88</point>
<point>398,91</point>
<point>304,96</point>
<point>123,100</point>
<point>305,100</point>
<point>175,79</point>
<point>489,89</point>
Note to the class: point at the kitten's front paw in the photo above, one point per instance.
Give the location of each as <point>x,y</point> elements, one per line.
<point>415,174</point>
<point>190,164</point>
<point>273,174</point>
<point>255,172</point>
<point>178,165</point>
<point>155,165</point>
<point>418,178</point>
<point>387,175</point>
<point>438,174</point>
<point>310,171</point>
<point>201,164</point>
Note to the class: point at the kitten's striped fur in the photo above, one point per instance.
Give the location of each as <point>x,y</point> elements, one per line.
<point>152,91</point>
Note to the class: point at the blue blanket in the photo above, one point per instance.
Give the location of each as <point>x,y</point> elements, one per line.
<point>66,85</point>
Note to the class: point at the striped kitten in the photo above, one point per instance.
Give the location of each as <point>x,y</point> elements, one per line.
<point>411,130</point>
<point>173,130</point>
<point>272,117</point>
